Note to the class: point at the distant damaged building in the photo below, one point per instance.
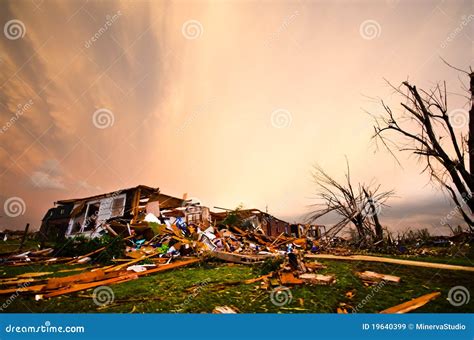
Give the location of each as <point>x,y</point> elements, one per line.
<point>117,212</point>
<point>269,225</point>
<point>254,219</point>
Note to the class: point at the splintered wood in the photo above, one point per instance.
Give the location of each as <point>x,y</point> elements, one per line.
<point>318,279</point>
<point>412,304</point>
<point>287,278</point>
<point>373,277</point>
<point>225,310</point>
<point>57,286</point>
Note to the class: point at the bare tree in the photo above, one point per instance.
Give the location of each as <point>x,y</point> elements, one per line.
<point>359,205</point>
<point>443,141</point>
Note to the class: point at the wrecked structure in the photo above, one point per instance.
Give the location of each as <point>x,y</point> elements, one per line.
<point>267,224</point>
<point>136,208</point>
<point>117,212</point>
<point>254,219</point>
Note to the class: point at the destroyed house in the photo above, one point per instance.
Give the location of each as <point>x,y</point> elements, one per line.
<point>115,212</point>
<point>254,219</point>
<point>312,231</point>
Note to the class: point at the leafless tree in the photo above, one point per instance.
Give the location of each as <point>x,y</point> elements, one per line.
<point>359,205</point>
<point>442,139</point>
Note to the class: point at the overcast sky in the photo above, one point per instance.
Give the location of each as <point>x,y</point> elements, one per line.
<point>229,101</point>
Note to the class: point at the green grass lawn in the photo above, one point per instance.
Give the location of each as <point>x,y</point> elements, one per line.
<point>198,289</point>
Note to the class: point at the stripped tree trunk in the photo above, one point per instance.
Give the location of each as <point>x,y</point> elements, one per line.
<point>471,128</point>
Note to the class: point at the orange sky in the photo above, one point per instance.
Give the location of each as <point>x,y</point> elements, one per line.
<point>229,101</point>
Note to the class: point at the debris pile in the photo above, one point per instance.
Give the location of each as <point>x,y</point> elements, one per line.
<point>159,232</point>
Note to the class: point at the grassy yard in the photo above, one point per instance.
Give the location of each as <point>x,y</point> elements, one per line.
<point>199,289</point>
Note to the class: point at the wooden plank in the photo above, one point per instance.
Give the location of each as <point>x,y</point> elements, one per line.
<point>84,286</point>
<point>412,304</point>
<point>389,260</point>
<point>119,279</point>
<point>17,282</point>
<point>29,289</point>
<point>273,243</point>
<point>224,310</point>
<point>129,263</point>
<point>169,266</point>
<point>34,274</point>
<point>318,279</point>
<point>59,282</point>
<point>240,258</point>
<point>287,278</point>
<point>260,278</point>
<point>377,277</point>
<point>135,206</point>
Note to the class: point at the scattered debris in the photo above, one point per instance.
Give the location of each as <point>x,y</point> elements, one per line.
<point>225,310</point>
<point>159,232</point>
